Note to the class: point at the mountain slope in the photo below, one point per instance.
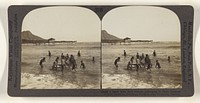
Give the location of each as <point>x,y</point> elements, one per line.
<point>27,35</point>
<point>108,38</point>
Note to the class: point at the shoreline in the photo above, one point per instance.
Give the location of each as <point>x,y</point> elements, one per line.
<point>123,81</point>
<point>48,81</point>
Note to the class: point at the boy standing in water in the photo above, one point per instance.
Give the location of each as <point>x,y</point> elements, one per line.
<point>41,62</point>
<point>137,56</point>
<point>62,56</point>
<point>137,64</point>
<point>93,59</point>
<point>129,65</point>
<point>55,64</point>
<point>148,62</point>
<point>169,60</point>
<point>157,65</point>
<point>49,54</point>
<point>116,62</point>
<point>132,58</point>
<point>124,53</point>
<point>82,65</point>
<point>79,54</point>
<point>72,62</point>
<point>154,53</point>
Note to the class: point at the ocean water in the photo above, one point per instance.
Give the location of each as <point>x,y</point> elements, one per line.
<point>33,77</point>
<point>168,76</point>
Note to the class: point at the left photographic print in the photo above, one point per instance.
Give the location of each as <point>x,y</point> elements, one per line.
<point>60,49</point>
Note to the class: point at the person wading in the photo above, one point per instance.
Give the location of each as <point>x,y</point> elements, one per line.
<point>157,65</point>
<point>124,53</point>
<point>41,62</point>
<point>79,53</point>
<point>154,53</point>
<point>82,65</point>
<point>116,62</point>
<point>49,54</point>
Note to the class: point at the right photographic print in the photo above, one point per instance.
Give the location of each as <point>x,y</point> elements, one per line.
<point>141,48</point>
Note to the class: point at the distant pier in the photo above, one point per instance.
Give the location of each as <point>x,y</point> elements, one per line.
<point>141,40</point>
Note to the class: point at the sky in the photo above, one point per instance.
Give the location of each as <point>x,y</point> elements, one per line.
<point>83,25</point>
<point>64,23</point>
<point>143,23</point>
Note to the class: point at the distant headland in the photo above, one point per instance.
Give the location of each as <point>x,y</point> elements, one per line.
<point>28,38</point>
<point>108,38</point>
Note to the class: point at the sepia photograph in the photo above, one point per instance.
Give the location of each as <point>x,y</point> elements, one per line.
<point>60,49</point>
<point>132,47</point>
<point>141,48</point>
